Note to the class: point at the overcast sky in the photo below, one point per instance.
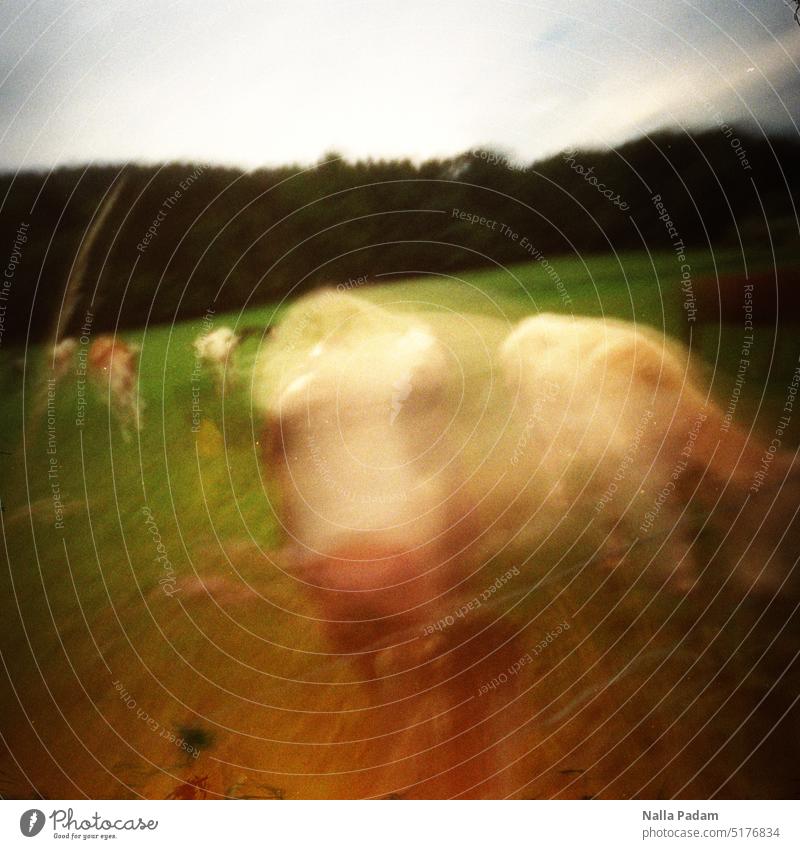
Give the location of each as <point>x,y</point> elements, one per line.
<point>255,82</point>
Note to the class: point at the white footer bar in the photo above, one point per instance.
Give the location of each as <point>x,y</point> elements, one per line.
<point>490,825</point>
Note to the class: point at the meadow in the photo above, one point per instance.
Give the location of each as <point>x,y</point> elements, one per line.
<point>154,650</point>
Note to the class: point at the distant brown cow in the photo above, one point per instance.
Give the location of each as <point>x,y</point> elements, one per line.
<point>113,366</point>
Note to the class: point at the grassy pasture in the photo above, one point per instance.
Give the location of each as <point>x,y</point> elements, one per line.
<point>213,645</point>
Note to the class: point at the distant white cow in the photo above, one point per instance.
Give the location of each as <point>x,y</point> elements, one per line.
<point>113,367</point>
<point>218,350</point>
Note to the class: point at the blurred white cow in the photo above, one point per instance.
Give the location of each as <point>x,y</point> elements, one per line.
<point>361,506</point>
<point>641,454</point>
<point>113,368</point>
<point>619,429</point>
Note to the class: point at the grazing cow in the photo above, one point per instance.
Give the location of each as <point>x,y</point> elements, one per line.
<point>218,348</point>
<point>113,368</point>
<point>63,355</point>
<point>628,431</point>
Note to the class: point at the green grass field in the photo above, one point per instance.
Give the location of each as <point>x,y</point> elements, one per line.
<point>91,602</point>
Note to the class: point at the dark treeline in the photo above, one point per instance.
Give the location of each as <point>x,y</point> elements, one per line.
<point>182,238</point>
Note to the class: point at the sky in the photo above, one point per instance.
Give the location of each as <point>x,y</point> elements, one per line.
<point>251,83</point>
